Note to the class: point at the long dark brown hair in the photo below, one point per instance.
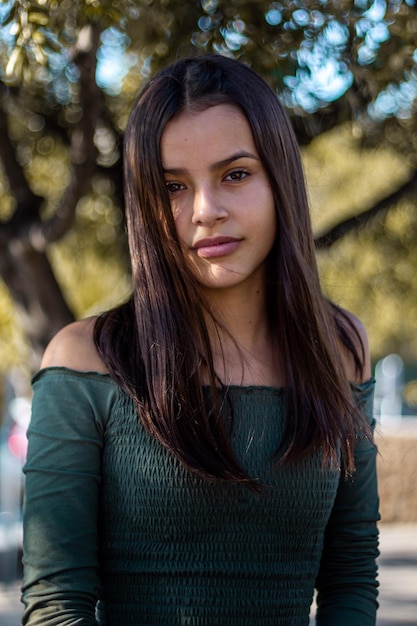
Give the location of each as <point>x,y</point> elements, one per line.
<point>156,345</point>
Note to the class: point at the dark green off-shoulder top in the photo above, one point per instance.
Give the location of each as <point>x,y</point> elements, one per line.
<point>118,533</point>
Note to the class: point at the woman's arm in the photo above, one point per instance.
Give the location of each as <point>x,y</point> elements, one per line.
<point>347,581</point>
<point>63,472</point>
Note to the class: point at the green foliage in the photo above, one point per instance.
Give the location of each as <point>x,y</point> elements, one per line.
<point>373,270</point>
<point>91,261</point>
<point>6,199</point>
<point>14,349</point>
<point>345,178</point>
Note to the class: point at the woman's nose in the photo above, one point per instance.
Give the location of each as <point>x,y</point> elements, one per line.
<point>208,208</point>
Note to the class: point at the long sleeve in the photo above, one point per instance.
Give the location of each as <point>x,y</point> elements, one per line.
<point>61,582</point>
<point>347,581</point>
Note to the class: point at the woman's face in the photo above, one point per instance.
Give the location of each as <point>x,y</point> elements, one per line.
<point>220,195</point>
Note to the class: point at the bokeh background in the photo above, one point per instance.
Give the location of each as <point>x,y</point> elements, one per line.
<point>346,72</point>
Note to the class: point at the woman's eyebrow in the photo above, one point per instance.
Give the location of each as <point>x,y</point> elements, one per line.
<point>215,166</point>
<point>232,158</point>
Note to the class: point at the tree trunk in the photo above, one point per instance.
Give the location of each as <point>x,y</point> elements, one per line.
<point>39,302</point>
<point>24,238</point>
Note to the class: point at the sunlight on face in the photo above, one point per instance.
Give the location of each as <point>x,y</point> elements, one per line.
<point>220,196</point>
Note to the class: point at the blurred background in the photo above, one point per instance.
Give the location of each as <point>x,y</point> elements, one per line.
<point>346,72</point>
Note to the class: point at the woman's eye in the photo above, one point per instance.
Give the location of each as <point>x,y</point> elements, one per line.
<point>173,187</point>
<point>237,175</point>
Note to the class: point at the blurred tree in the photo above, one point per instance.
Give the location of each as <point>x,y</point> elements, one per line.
<point>68,74</point>
<point>370,270</point>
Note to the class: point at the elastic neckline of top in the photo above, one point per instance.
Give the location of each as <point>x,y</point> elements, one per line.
<point>106,376</point>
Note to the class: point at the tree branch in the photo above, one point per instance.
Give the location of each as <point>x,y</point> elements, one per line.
<point>27,203</point>
<point>326,240</point>
<point>82,148</point>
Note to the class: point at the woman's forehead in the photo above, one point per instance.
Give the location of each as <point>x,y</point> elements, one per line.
<point>210,134</point>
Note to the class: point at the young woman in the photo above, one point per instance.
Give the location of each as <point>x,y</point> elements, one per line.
<point>202,455</point>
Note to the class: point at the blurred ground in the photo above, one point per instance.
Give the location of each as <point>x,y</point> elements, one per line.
<point>398,575</point>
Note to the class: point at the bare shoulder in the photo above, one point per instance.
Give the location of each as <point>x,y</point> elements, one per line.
<point>73,347</point>
<point>362,345</point>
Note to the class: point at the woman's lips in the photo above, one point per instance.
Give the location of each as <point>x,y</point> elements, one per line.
<point>216,246</point>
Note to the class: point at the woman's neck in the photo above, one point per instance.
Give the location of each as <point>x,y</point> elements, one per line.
<point>245,350</point>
